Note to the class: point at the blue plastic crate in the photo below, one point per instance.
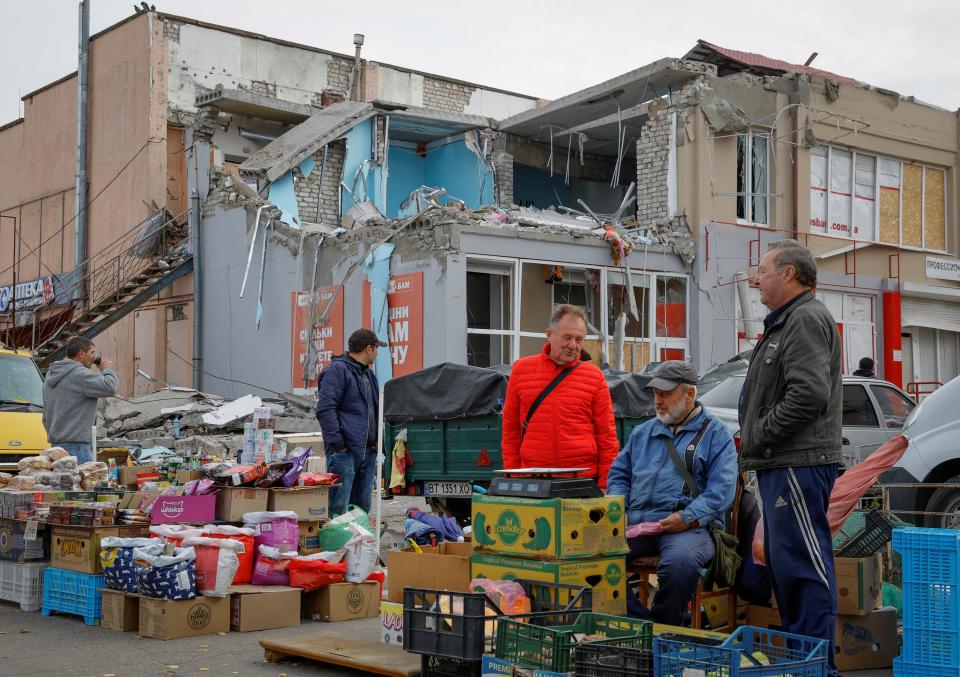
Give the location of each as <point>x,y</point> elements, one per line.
<point>931,596</point>
<point>73,593</point>
<point>783,653</point>
<point>903,668</point>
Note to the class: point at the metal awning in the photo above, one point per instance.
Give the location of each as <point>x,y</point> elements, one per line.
<point>294,146</point>
<point>593,111</point>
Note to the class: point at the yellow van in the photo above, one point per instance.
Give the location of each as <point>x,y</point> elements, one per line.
<point>21,408</point>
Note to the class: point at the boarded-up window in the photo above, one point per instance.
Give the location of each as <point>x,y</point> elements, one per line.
<point>889,200</point>
<point>912,205</point>
<point>933,209</point>
<point>818,190</point>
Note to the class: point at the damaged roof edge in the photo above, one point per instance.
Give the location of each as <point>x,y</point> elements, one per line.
<point>597,93</point>
<point>297,144</point>
<point>419,113</point>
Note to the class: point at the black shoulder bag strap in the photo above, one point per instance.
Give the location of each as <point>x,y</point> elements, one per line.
<point>543,395</point>
<point>685,468</point>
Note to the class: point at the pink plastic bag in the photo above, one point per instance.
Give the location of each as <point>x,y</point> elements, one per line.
<point>272,567</point>
<point>274,529</point>
<point>644,529</point>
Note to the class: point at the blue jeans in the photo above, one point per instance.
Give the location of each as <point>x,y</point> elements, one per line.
<point>683,558</point>
<point>82,450</point>
<point>356,472</point>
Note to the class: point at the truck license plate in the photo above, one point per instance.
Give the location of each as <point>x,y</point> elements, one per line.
<point>447,489</point>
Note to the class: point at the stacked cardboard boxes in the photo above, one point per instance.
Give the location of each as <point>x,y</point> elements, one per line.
<point>577,541</point>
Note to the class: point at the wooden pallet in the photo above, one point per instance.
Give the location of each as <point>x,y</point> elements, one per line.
<point>375,657</point>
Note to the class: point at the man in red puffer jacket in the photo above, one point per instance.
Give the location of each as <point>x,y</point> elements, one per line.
<point>573,426</point>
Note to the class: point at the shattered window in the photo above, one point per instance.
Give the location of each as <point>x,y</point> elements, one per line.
<point>618,303</point>
<point>490,313</point>
<point>546,285</point>
<point>752,177</point>
<point>671,307</point>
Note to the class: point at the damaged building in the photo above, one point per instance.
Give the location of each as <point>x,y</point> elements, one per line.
<point>303,193</point>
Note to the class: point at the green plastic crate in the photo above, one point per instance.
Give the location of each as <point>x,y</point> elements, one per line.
<point>547,640</point>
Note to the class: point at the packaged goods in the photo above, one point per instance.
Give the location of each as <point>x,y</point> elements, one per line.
<point>313,571</point>
<point>216,563</point>
<point>21,482</point>
<point>247,554</point>
<point>242,475</point>
<point>34,463</point>
<point>335,533</point>
<point>361,554</point>
<point>166,576</point>
<point>274,475</point>
<point>274,529</point>
<point>92,474</point>
<point>174,533</point>
<point>116,559</point>
<point>55,453</point>
<point>5,478</point>
<point>271,567</point>
<point>298,460</point>
<point>65,464</point>
<point>315,479</point>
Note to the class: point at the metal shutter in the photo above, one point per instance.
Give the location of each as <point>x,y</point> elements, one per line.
<point>915,312</point>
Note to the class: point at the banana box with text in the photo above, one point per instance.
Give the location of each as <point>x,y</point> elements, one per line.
<point>605,575</point>
<point>562,528</point>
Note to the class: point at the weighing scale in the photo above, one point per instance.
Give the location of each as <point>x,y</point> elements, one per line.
<point>544,483</point>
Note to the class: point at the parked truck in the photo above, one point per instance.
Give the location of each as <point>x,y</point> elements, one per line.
<point>453,417</point>
<point>21,408</point>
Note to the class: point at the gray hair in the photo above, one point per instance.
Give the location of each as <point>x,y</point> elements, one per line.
<point>565,309</point>
<point>792,253</point>
<point>687,387</point>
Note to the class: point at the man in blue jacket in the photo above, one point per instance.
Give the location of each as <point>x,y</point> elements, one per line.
<point>654,490</point>
<point>348,400</point>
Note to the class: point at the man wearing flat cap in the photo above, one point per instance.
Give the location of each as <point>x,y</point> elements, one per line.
<point>683,446</point>
<point>348,400</point>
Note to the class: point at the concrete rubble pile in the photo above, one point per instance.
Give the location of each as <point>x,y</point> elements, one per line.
<point>188,421</point>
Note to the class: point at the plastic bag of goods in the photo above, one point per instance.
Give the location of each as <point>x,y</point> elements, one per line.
<point>361,555</point>
<point>241,475</point>
<point>247,554</point>
<point>65,464</point>
<point>174,533</point>
<point>166,576</point>
<point>274,475</point>
<point>298,460</point>
<point>21,482</point>
<point>116,558</point>
<point>272,566</point>
<point>55,453</point>
<point>335,533</point>
<point>217,563</point>
<point>5,477</point>
<point>34,463</point>
<point>509,596</point>
<point>275,529</point>
<point>313,571</point>
<point>92,474</point>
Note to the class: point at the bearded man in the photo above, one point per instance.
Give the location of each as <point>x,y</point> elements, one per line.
<point>653,473</point>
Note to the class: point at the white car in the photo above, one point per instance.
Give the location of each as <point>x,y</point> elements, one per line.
<point>933,457</point>
<point>873,411</point>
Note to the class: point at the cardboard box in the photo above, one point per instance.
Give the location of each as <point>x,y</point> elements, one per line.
<point>316,462</point>
<point>128,474</point>
<point>234,502</point>
<point>121,611</point>
<point>555,528</point>
<point>391,623</point>
<point>184,476</point>
<point>859,584</point>
<point>341,602</point>
<point>183,509</point>
<point>310,503</point>
<point>308,542</point>
<point>78,548</point>
<point>15,548</point>
<point>444,567</point>
<point>263,607</point>
<point>606,575</point>
<point>863,642</point>
<point>170,619</point>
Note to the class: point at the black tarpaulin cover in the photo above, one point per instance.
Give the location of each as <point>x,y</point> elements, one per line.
<point>451,390</point>
<point>444,391</point>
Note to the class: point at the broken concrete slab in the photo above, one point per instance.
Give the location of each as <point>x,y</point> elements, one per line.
<point>231,411</point>
<point>252,105</point>
<point>290,149</point>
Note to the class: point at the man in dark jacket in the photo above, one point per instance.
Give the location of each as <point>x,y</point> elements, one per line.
<point>866,369</point>
<point>790,434</point>
<point>347,405</point>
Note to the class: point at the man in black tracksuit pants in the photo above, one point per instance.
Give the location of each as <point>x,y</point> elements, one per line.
<point>790,434</point>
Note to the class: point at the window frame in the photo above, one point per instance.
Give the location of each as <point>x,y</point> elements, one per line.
<point>749,196</point>
<point>868,397</point>
<point>875,387</point>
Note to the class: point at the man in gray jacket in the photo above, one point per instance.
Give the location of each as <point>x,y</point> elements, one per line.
<point>70,393</point>
<point>790,434</point>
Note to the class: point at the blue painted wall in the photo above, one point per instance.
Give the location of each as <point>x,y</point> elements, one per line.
<point>359,149</point>
<point>534,187</point>
<point>406,175</point>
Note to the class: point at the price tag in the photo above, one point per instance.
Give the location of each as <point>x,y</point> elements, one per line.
<point>30,533</point>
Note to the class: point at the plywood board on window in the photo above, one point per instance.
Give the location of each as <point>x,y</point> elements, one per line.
<point>890,215</point>
<point>934,209</point>
<point>593,346</point>
<point>912,205</point>
<point>636,355</point>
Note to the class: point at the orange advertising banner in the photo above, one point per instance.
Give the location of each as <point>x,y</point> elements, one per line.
<point>404,321</point>
<point>327,336</point>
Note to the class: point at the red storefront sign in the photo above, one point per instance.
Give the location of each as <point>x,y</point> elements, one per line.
<point>404,321</point>
<point>327,336</point>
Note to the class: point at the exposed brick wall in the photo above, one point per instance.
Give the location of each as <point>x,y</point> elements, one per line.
<point>171,30</point>
<point>261,87</point>
<point>316,203</point>
<point>652,157</point>
<point>338,76</point>
<point>503,166</point>
<point>444,95</point>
